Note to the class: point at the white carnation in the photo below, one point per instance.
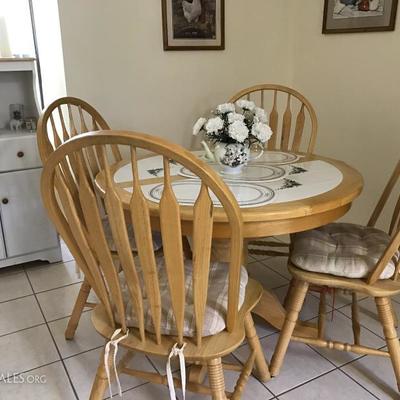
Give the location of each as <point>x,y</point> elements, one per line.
<point>261,115</point>
<point>262,132</point>
<point>246,105</point>
<point>232,117</point>
<point>198,126</point>
<point>226,108</point>
<point>214,125</point>
<point>238,131</point>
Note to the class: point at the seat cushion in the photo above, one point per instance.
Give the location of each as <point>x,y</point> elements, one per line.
<point>216,306</point>
<point>341,249</point>
<point>157,242</point>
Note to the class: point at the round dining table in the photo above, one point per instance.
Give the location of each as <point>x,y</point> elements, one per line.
<point>312,192</point>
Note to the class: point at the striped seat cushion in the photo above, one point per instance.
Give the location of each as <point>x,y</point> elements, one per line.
<point>342,249</point>
<point>157,241</point>
<point>216,306</point>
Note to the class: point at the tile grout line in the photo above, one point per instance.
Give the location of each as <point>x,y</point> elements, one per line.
<point>42,323</point>
<point>16,298</point>
<point>54,341</point>
<point>82,352</point>
<point>32,369</point>
<point>359,384</point>
<point>56,288</point>
<point>254,376</point>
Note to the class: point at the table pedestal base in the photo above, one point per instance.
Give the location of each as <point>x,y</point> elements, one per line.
<point>271,310</point>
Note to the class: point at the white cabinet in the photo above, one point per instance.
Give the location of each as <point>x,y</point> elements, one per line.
<point>25,223</point>
<point>26,234</point>
<point>2,249</point>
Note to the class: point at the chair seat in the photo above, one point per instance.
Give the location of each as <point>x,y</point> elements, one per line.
<point>157,241</point>
<point>218,345</point>
<point>341,249</point>
<point>216,306</point>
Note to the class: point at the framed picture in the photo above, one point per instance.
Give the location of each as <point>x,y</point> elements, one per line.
<point>193,24</point>
<point>346,16</point>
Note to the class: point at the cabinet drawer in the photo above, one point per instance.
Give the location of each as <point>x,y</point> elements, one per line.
<point>18,153</point>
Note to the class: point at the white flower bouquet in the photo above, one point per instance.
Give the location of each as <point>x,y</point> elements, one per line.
<point>241,123</point>
<point>239,126</point>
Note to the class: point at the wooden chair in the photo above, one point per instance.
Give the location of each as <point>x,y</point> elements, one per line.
<point>134,294</point>
<point>381,289</point>
<point>288,136</point>
<point>65,118</point>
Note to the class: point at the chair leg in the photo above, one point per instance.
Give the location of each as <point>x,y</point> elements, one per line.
<point>385,314</point>
<point>355,319</point>
<point>295,304</point>
<point>288,294</point>
<point>322,314</point>
<point>395,319</point>
<point>100,382</point>
<point>262,370</point>
<point>80,303</point>
<point>216,378</point>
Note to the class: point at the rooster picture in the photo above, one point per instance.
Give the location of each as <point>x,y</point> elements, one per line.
<point>192,10</point>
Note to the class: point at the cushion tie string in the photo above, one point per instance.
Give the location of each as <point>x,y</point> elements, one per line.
<point>176,351</point>
<point>113,343</point>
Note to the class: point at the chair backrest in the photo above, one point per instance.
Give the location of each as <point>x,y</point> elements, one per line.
<point>65,118</point>
<point>85,237</point>
<point>394,225</point>
<point>292,136</point>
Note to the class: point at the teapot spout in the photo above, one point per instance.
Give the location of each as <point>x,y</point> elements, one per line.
<point>208,154</point>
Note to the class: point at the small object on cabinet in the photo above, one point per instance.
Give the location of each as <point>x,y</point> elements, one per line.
<point>16,116</point>
<point>30,124</point>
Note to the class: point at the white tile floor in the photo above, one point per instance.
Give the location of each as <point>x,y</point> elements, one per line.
<point>36,300</point>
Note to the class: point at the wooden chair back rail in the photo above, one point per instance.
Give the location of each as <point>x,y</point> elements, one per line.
<point>394,226</point>
<point>66,118</point>
<point>82,225</point>
<point>395,220</point>
<point>292,131</point>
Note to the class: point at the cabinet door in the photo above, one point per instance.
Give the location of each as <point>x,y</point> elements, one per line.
<point>2,248</point>
<point>26,226</point>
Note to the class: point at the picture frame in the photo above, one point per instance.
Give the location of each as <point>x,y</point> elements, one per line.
<point>350,16</point>
<point>193,24</point>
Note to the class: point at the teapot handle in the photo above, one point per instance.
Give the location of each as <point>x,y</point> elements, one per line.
<point>208,153</point>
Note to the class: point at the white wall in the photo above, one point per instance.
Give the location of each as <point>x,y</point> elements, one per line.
<point>114,58</point>
<point>50,49</point>
<point>353,80</point>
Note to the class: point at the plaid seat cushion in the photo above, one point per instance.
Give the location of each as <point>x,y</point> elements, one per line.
<point>216,306</point>
<point>157,241</point>
<point>341,249</point>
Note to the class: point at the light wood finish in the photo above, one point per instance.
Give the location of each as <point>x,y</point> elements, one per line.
<point>296,301</point>
<point>291,136</point>
<point>381,290</point>
<point>269,220</point>
<point>355,319</point>
<point>79,222</point>
<point>57,124</point>
<point>80,303</point>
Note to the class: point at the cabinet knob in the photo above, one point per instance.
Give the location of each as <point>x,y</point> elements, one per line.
<point>20,154</point>
<point>4,201</point>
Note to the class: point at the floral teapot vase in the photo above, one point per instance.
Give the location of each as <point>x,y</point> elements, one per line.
<point>232,156</point>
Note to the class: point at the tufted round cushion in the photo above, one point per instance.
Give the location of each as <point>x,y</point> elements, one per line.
<point>216,306</point>
<point>341,249</point>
